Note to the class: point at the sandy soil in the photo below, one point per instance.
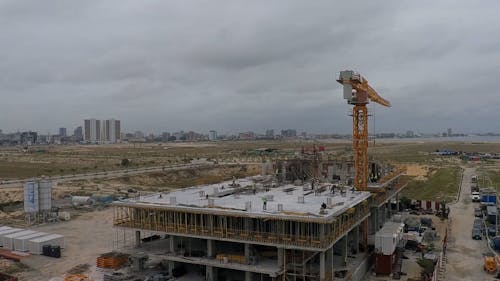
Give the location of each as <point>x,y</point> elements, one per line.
<point>86,237</point>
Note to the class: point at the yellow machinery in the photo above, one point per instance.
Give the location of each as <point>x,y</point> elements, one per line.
<point>358,93</point>
<point>491,264</point>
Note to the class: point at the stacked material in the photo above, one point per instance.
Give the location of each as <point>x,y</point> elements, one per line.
<point>21,243</point>
<point>112,260</point>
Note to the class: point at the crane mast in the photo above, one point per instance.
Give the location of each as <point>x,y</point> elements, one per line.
<point>359,93</point>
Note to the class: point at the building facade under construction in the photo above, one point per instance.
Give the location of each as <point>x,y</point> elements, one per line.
<point>300,220</point>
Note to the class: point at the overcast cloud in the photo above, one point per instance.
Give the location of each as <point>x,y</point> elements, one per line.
<point>247,65</point>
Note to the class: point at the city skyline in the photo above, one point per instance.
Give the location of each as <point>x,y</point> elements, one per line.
<point>170,65</point>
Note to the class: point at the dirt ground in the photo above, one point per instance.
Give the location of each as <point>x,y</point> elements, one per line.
<point>86,237</point>
<point>418,171</point>
<point>465,255</point>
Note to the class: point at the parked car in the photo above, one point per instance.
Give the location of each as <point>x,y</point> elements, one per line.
<point>476,197</point>
<point>476,234</point>
<point>491,231</point>
<point>478,212</point>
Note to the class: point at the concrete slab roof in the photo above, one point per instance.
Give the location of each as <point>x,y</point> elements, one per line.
<point>283,202</point>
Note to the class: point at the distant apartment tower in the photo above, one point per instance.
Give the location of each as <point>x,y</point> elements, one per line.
<point>62,132</point>
<point>102,131</point>
<point>92,128</point>
<point>270,133</point>
<point>212,135</point>
<point>289,133</point>
<point>410,134</point>
<point>112,130</point>
<point>78,133</point>
<point>450,132</point>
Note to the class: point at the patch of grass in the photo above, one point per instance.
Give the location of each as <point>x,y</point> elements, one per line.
<point>441,186</point>
<point>488,178</point>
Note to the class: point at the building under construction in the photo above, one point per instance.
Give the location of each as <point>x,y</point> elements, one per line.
<point>300,220</point>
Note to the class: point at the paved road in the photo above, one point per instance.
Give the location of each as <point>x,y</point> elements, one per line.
<point>465,256</point>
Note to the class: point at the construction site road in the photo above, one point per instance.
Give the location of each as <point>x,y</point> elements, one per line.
<point>112,174</point>
<point>465,256</point>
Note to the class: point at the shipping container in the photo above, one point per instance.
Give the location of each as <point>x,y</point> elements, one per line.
<point>488,197</point>
<point>7,232</point>
<point>35,246</point>
<point>2,228</point>
<point>8,240</point>
<point>388,237</point>
<point>384,263</point>
<point>21,243</point>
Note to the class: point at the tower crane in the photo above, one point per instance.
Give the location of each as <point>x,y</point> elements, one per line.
<point>359,93</point>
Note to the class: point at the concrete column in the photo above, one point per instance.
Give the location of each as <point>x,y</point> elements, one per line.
<point>248,275</point>
<point>322,273</point>
<point>137,238</point>
<point>171,248</point>
<point>356,238</point>
<point>280,257</point>
<point>210,248</point>
<point>322,232</point>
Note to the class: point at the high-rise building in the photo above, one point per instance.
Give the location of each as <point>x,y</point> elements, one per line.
<point>92,128</point>
<point>270,133</point>
<point>112,131</point>
<point>102,131</point>
<point>62,132</point>
<point>289,133</point>
<point>212,135</point>
<point>78,133</point>
<point>450,133</point>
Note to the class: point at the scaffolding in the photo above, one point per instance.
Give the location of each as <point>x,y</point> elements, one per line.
<point>277,231</point>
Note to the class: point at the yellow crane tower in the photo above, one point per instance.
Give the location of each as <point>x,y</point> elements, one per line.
<point>358,93</point>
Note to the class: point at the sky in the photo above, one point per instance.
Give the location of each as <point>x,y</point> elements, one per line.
<point>234,65</point>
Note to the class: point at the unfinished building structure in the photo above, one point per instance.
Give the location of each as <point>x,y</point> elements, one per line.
<point>266,228</point>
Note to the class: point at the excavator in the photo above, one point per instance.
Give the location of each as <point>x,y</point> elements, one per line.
<point>359,93</point>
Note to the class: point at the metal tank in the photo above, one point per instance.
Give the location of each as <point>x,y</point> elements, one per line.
<point>31,197</point>
<point>45,195</point>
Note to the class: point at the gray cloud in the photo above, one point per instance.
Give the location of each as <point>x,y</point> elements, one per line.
<point>246,65</point>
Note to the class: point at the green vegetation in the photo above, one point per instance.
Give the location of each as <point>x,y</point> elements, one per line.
<point>488,178</point>
<point>442,185</point>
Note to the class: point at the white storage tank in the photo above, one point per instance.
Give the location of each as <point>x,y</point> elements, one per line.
<point>81,200</point>
<point>35,245</point>
<point>7,232</point>
<point>45,195</point>
<point>21,243</point>
<point>8,240</point>
<point>31,197</point>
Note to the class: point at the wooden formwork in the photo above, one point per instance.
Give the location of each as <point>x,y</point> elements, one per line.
<point>112,260</point>
<point>304,233</point>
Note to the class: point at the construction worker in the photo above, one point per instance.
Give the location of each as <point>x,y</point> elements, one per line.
<point>264,203</point>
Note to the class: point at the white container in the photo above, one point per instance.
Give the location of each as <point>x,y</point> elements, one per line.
<point>8,240</point>
<point>2,228</point>
<point>66,216</point>
<point>388,237</point>
<point>35,245</point>
<point>7,232</point>
<point>21,243</point>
